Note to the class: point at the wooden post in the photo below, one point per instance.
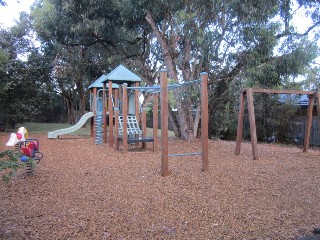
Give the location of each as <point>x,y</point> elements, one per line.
<point>155,121</point>
<point>204,121</point>
<point>136,101</point>
<point>92,127</point>
<point>318,109</point>
<point>309,124</point>
<point>137,107</point>
<point>104,115</point>
<point>125,114</point>
<point>252,120</point>
<point>240,123</point>
<point>249,94</point>
<point>164,122</point>
<point>94,110</point>
<point>144,126</point>
<point>116,119</point>
<point>110,114</point>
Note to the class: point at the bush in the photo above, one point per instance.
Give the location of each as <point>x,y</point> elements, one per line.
<point>10,163</point>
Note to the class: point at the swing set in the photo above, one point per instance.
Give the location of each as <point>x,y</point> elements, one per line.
<point>248,94</point>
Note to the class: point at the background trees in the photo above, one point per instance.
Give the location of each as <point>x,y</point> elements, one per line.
<point>240,44</point>
<point>24,77</point>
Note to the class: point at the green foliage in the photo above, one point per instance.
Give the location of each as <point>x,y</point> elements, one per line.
<point>273,116</point>
<point>25,93</point>
<point>3,59</point>
<point>312,81</point>
<point>239,43</point>
<point>10,163</point>
<point>224,119</point>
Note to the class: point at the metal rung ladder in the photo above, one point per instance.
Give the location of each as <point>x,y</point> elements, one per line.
<point>98,129</point>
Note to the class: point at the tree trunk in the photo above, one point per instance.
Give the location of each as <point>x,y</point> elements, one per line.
<point>196,121</point>
<point>81,93</point>
<point>69,104</point>
<point>182,124</point>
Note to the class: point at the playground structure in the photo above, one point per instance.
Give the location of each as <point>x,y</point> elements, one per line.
<point>127,129</point>
<point>105,103</point>
<point>29,149</point>
<point>21,135</point>
<point>125,118</point>
<point>25,147</point>
<point>314,97</point>
<point>116,120</point>
<point>80,123</point>
<point>128,126</point>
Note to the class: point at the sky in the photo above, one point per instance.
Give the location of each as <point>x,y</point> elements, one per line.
<point>10,13</point>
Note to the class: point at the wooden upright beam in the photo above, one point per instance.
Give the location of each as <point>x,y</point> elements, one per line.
<point>252,120</point>
<point>317,97</point>
<point>240,123</point>
<point>249,93</point>
<point>136,101</point>
<point>116,118</point>
<point>164,122</point>
<point>309,124</point>
<point>144,126</point>
<point>155,121</point>
<point>204,121</point>
<point>137,109</point>
<point>110,114</point>
<point>104,115</point>
<point>94,110</point>
<point>125,114</point>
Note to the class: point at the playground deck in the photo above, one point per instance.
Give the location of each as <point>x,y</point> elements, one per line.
<point>85,191</point>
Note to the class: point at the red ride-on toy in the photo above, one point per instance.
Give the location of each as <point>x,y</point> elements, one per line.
<point>30,148</point>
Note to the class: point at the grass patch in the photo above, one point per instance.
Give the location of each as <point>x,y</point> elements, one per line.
<point>44,128</point>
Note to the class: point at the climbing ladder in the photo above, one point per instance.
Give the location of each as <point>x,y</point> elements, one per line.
<point>99,117</point>
<point>134,132</point>
<point>98,128</point>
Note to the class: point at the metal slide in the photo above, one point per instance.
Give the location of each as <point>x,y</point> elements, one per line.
<point>82,121</point>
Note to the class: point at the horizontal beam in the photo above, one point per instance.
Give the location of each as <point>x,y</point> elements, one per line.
<point>137,140</point>
<point>144,88</point>
<point>184,154</point>
<point>275,91</point>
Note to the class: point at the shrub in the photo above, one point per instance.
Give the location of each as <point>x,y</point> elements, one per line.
<point>10,163</point>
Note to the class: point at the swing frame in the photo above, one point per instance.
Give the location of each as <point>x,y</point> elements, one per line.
<point>248,94</point>
<point>164,122</point>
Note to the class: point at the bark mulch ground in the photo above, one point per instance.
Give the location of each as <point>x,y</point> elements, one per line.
<point>85,191</point>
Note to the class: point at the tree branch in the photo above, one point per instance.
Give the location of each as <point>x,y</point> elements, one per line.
<point>287,33</point>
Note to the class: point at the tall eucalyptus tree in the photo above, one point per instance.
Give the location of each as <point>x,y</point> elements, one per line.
<point>233,40</point>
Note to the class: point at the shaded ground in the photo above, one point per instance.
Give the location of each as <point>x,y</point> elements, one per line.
<point>85,191</point>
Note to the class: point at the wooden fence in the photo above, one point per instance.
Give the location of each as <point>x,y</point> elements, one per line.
<point>301,124</point>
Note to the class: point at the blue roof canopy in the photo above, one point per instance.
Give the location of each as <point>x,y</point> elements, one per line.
<point>122,75</point>
<point>99,83</point>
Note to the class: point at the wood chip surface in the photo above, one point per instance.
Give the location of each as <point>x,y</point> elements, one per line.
<point>85,191</point>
